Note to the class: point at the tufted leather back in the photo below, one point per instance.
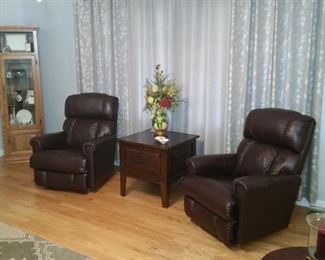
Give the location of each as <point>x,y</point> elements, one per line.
<point>275,142</point>
<point>89,116</point>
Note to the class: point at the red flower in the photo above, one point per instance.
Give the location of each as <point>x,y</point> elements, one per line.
<point>164,102</point>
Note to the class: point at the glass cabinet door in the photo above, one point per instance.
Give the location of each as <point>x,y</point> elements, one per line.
<point>20,91</point>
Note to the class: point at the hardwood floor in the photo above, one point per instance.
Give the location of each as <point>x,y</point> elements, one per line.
<point>104,225</point>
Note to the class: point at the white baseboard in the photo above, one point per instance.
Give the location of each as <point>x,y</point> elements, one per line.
<point>303,202</point>
<point>1,152</point>
<point>319,204</point>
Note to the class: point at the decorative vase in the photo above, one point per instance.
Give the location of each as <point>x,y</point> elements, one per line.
<point>159,120</point>
<point>316,236</point>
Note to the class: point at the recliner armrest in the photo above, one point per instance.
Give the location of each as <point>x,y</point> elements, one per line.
<point>209,165</point>
<point>264,204</point>
<point>100,154</point>
<point>94,144</point>
<point>48,141</point>
<point>263,183</point>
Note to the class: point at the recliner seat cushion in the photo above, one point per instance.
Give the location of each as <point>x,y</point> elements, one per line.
<point>66,160</point>
<point>215,195</point>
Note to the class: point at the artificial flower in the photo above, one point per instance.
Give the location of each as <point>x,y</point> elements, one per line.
<point>154,88</point>
<point>164,102</point>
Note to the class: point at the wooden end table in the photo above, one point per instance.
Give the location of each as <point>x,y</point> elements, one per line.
<point>142,157</point>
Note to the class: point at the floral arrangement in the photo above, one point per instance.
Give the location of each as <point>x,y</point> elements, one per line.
<point>162,94</point>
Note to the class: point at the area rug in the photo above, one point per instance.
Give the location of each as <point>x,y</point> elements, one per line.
<point>16,244</point>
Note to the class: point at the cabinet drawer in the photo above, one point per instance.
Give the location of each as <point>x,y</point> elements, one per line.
<point>143,160</point>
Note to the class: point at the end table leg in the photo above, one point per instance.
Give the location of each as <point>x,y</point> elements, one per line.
<point>164,194</point>
<point>122,183</point>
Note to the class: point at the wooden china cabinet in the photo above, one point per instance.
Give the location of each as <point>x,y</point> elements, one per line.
<point>20,91</point>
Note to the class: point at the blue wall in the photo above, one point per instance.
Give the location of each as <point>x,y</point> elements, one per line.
<point>11,12</point>
<point>56,50</point>
<point>57,55</point>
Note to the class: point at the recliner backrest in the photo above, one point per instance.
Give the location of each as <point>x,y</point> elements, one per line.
<point>275,142</point>
<point>89,116</point>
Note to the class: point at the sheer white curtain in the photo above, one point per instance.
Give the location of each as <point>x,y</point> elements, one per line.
<point>277,59</point>
<point>101,39</point>
<point>190,40</point>
<point>229,57</point>
<point>120,42</point>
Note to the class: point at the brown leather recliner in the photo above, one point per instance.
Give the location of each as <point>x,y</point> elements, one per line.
<point>244,196</point>
<point>81,157</point>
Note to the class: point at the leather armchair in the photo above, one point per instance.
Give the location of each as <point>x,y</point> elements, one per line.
<point>81,157</point>
<point>244,196</point>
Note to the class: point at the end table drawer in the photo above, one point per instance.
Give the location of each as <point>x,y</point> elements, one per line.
<point>143,160</point>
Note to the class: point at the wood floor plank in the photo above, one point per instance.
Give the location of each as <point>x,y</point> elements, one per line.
<point>105,225</point>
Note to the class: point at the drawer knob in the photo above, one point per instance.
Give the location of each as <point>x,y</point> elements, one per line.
<point>141,161</point>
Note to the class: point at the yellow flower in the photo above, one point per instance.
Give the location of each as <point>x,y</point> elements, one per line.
<point>154,88</point>
<point>150,100</point>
